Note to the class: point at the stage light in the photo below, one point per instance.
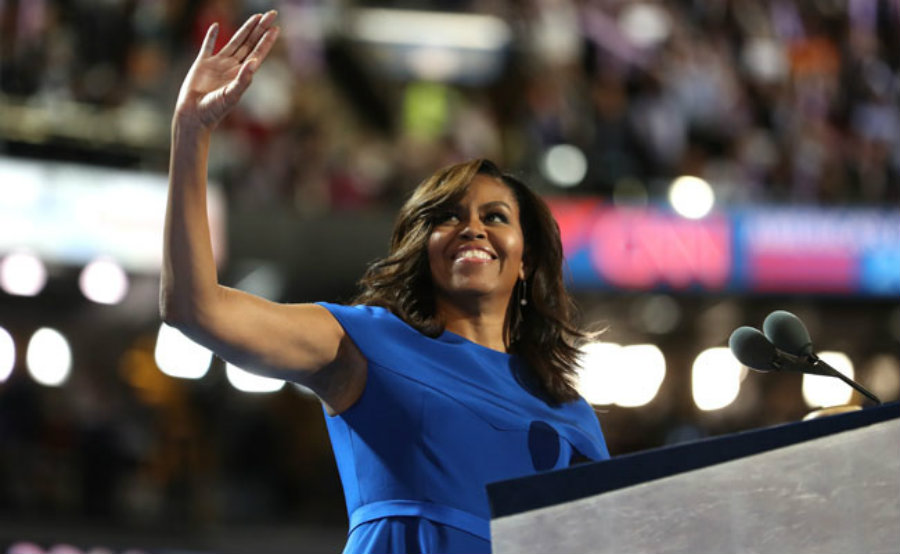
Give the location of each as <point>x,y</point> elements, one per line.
<point>597,372</point>
<point>22,274</point>
<point>245,381</point>
<point>716,379</point>
<point>691,197</point>
<point>822,391</point>
<point>564,165</point>
<point>49,357</point>
<point>7,354</point>
<point>178,356</point>
<point>430,29</point>
<point>643,370</point>
<point>104,281</point>
<point>628,376</point>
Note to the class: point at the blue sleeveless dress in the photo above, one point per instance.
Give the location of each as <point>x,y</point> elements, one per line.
<point>438,420</point>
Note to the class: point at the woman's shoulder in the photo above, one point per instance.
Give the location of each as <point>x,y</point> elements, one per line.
<point>372,328</point>
<point>360,314</point>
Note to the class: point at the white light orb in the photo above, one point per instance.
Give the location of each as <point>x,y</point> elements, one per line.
<point>245,381</point>
<point>716,379</point>
<point>645,25</point>
<point>178,356</point>
<point>564,165</point>
<point>823,391</point>
<point>49,357</point>
<point>104,281</point>
<point>22,274</point>
<point>691,197</point>
<point>628,376</point>
<point>7,354</point>
<point>597,372</point>
<point>642,372</point>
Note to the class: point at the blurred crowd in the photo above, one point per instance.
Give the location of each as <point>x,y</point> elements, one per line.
<point>773,101</point>
<point>124,445</point>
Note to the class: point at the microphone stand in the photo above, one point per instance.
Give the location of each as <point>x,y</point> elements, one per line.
<point>826,369</point>
<point>810,363</point>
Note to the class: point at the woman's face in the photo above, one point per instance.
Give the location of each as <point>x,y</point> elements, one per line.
<point>476,247</point>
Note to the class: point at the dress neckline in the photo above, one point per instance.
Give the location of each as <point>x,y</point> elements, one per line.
<point>453,338</point>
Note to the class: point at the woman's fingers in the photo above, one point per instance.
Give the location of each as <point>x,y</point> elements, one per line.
<point>240,36</point>
<point>262,48</point>
<point>236,87</point>
<point>216,82</point>
<point>247,38</point>
<point>209,41</point>
<point>265,23</point>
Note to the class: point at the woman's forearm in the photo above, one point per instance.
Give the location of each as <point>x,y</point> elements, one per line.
<point>188,279</point>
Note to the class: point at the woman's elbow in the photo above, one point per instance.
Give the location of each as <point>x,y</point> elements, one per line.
<point>170,313</point>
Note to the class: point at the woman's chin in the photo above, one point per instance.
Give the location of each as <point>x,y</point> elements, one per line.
<point>475,292</point>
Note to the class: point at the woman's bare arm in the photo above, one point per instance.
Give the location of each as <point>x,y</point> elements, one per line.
<point>296,342</point>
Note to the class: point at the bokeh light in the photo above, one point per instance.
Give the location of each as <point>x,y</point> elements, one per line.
<point>178,356</point>
<point>716,379</point>
<point>7,354</point>
<point>646,368</point>
<point>564,165</point>
<point>245,381</point>
<point>691,197</point>
<point>22,274</point>
<point>628,376</point>
<point>104,281</point>
<point>598,372</point>
<point>49,357</point>
<point>822,391</point>
<point>646,24</point>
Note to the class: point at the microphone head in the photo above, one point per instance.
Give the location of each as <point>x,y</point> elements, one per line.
<point>788,333</point>
<point>752,349</point>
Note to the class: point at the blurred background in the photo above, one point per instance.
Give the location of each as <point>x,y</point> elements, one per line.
<point>708,161</point>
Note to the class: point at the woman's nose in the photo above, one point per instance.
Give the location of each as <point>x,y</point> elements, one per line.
<point>474,229</point>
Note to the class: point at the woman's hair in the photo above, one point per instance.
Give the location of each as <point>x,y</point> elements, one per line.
<point>540,332</point>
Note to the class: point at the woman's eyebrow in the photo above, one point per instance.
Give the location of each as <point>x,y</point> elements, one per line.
<point>496,204</point>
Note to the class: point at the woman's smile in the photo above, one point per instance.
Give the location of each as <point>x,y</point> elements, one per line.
<point>473,254</point>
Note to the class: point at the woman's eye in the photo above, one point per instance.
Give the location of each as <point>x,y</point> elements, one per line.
<point>447,217</point>
<point>496,217</point>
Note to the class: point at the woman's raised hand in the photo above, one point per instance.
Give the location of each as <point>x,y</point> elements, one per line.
<point>217,81</point>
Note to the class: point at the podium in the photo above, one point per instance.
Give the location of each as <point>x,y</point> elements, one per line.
<point>829,485</point>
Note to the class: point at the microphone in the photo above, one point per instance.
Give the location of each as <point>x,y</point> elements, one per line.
<point>755,351</point>
<point>785,346</point>
<point>788,333</point>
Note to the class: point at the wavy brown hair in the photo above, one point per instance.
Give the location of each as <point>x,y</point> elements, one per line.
<point>541,332</point>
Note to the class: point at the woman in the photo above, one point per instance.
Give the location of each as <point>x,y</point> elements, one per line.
<point>452,369</point>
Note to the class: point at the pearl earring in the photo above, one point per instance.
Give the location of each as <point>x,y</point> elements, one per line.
<point>524,300</point>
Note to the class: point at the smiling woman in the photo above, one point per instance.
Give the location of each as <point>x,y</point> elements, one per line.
<point>475,253</point>
<point>474,205</point>
<point>452,368</point>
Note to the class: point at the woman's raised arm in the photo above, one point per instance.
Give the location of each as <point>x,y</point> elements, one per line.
<point>296,342</point>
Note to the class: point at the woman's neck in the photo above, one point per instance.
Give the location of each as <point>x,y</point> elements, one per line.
<point>479,323</point>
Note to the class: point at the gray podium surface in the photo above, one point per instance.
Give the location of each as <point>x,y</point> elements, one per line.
<point>838,494</point>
